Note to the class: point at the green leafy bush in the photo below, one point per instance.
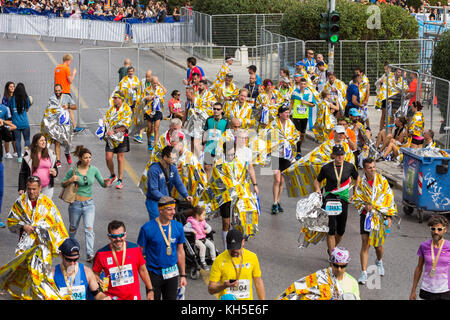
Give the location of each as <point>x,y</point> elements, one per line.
<point>441,68</point>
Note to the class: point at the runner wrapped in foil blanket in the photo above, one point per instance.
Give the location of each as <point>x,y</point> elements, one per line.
<point>29,275</point>
<point>313,220</point>
<point>55,124</point>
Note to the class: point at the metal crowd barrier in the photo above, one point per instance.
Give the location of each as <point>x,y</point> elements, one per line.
<point>157,33</point>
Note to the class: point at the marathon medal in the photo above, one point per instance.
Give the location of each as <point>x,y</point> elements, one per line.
<point>167,241</point>
<point>433,268</point>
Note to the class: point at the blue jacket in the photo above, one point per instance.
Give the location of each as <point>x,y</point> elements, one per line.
<point>156,182</point>
<point>20,120</point>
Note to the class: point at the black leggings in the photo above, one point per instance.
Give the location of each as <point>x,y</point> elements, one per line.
<point>337,224</point>
<point>168,289</point>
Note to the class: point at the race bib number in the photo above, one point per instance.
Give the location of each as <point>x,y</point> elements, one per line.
<point>121,278</point>
<point>78,292</point>
<point>169,273</point>
<point>302,109</point>
<point>214,134</point>
<point>242,291</point>
<point>333,208</point>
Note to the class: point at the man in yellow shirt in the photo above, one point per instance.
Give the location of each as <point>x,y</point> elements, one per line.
<point>235,270</point>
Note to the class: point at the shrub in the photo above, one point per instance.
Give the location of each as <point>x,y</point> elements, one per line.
<point>441,68</point>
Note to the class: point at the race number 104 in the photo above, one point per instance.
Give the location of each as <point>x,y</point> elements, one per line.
<point>247,309</point>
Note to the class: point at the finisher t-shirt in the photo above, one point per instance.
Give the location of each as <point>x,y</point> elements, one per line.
<point>440,282</point>
<point>155,249</point>
<point>123,285</point>
<point>327,172</point>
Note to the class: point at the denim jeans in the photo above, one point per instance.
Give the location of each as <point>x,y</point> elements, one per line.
<point>152,209</point>
<point>18,133</point>
<point>85,209</point>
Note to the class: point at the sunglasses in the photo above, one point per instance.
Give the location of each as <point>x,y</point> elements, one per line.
<point>85,180</point>
<point>116,236</point>
<point>438,229</point>
<point>339,266</point>
<point>217,109</point>
<point>71,260</point>
<point>33,179</point>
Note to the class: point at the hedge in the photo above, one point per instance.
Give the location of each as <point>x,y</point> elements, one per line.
<point>441,68</point>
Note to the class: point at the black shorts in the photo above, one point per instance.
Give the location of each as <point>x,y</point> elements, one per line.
<point>280,164</point>
<point>157,116</point>
<point>121,148</point>
<point>337,224</point>
<point>225,210</point>
<point>300,124</point>
<point>416,142</point>
<point>362,220</point>
<point>425,295</point>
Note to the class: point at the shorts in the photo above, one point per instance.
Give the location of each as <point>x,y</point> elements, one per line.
<point>425,295</point>
<point>416,141</point>
<point>300,124</point>
<point>121,148</point>
<point>280,164</point>
<point>362,220</point>
<point>337,224</point>
<point>225,210</point>
<point>157,116</point>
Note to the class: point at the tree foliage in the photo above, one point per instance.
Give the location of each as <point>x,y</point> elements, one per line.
<point>242,6</point>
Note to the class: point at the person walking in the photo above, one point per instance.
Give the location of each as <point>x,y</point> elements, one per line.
<point>8,93</point>
<point>122,263</point>
<point>434,255</point>
<point>19,104</point>
<point>39,161</point>
<point>162,177</point>
<point>84,205</point>
<point>162,240</point>
<point>228,275</point>
<point>338,175</point>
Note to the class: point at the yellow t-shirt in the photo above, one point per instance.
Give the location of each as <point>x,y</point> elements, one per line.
<point>223,270</point>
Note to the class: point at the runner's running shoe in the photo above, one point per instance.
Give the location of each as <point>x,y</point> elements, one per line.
<point>280,209</point>
<point>363,278</point>
<point>275,208</point>
<point>119,184</point>
<point>112,179</point>
<point>138,138</point>
<point>380,267</point>
<point>78,129</point>
<point>58,164</point>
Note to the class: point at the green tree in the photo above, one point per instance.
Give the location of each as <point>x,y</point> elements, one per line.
<point>441,68</point>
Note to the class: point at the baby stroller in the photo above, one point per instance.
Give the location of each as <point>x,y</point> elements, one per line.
<point>183,210</point>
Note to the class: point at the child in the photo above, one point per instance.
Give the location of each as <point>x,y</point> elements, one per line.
<point>197,224</point>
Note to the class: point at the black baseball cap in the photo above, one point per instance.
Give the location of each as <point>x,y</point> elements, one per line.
<point>234,239</point>
<point>338,150</point>
<point>70,247</point>
<point>282,109</point>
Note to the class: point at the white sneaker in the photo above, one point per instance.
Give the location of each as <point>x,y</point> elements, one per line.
<point>380,267</point>
<point>15,154</point>
<point>363,277</point>
<point>8,156</point>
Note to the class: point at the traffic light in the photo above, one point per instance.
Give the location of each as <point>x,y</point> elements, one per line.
<point>330,26</point>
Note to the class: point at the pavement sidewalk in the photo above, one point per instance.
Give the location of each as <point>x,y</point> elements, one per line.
<point>390,169</point>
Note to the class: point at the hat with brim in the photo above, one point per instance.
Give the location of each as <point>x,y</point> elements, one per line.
<point>339,129</point>
<point>338,150</point>
<point>234,239</point>
<point>70,247</point>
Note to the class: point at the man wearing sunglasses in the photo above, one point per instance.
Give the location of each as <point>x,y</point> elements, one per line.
<point>74,280</point>
<point>332,283</point>
<point>122,263</point>
<point>434,254</point>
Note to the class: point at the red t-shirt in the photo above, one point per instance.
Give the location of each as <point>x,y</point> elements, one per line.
<point>125,287</point>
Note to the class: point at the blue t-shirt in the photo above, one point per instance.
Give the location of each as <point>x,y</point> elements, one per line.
<point>258,80</point>
<point>352,90</point>
<point>154,246</point>
<point>5,114</point>
<point>20,120</point>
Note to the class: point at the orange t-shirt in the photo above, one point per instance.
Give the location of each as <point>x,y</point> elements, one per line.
<point>62,72</point>
<point>351,134</point>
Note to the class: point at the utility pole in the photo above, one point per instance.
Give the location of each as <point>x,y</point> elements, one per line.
<point>331,6</point>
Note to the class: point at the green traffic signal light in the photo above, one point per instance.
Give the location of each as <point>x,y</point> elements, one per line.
<point>334,38</point>
<point>330,26</point>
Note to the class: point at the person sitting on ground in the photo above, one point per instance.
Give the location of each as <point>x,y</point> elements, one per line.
<point>428,139</point>
<point>397,138</point>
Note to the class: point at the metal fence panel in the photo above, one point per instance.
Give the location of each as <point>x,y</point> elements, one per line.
<point>157,33</point>
<point>28,25</point>
<point>107,31</point>
<point>68,28</point>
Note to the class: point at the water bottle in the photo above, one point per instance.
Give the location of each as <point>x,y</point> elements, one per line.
<point>387,229</point>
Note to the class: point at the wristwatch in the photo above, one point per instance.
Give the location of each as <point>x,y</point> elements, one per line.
<point>149,290</point>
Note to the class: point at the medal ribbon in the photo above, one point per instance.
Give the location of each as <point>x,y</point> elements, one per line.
<point>167,241</point>
<point>123,258</point>
<point>435,261</point>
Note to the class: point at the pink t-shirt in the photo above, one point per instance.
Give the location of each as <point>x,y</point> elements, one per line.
<point>43,171</point>
<point>440,282</point>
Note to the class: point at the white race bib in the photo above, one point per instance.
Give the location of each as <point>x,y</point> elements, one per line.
<point>78,292</point>
<point>333,208</point>
<point>242,291</point>
<point>169,273</point>
<point>214,134</point>
<point>121,278</point>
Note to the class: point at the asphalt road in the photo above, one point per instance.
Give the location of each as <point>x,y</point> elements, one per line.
<point>276,244</point>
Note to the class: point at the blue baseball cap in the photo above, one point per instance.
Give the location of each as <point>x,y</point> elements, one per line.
<point>354,112</point>
<point>69,247</point>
